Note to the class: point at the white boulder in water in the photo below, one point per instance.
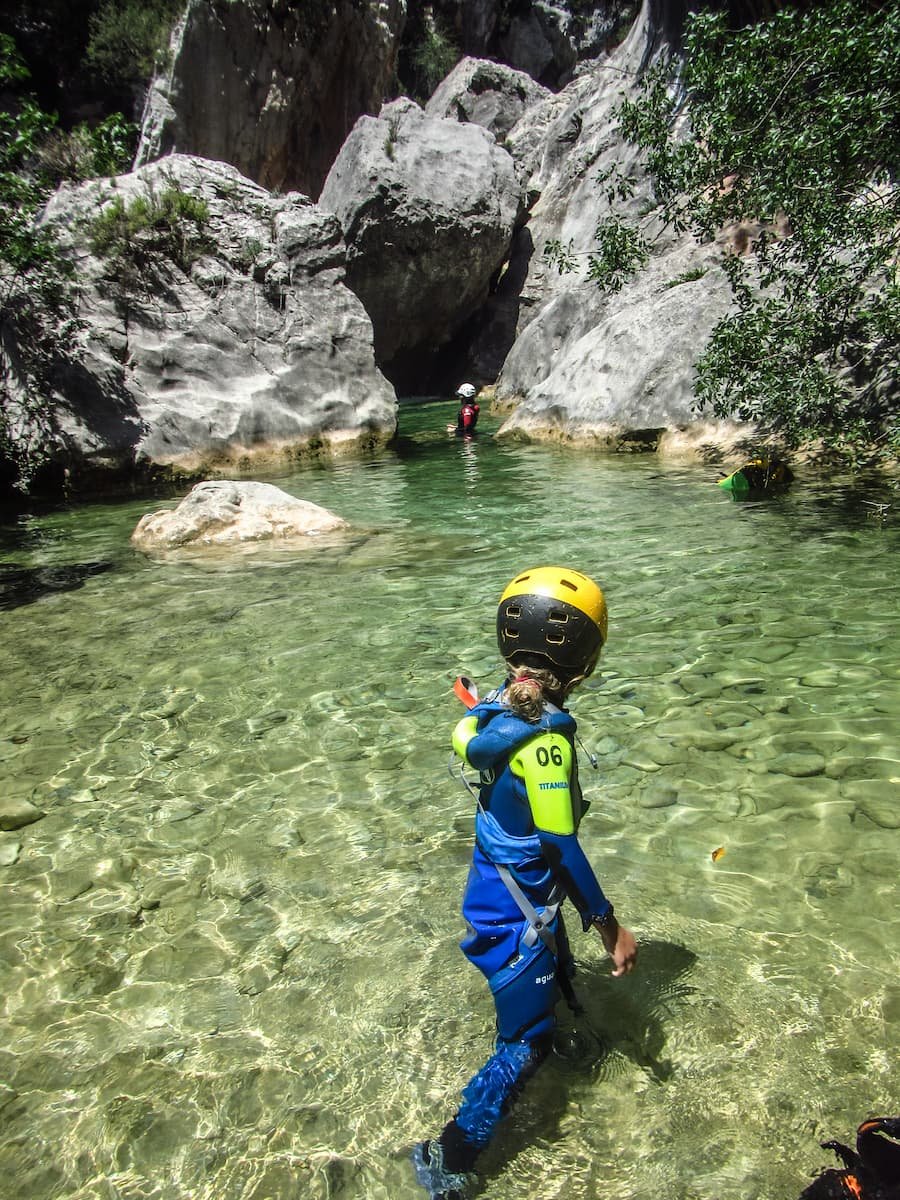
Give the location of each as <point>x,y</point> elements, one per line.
<point>228,513</point>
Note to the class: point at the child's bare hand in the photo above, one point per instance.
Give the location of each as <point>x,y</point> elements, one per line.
<point>620,946</point>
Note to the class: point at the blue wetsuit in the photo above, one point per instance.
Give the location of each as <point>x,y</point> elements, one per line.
<point>526,849</point>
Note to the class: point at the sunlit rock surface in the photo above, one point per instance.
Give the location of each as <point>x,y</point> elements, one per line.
<point>228,513</point>
<point>611,368</point>
<point>487,94</point>
<point>16,813</point>
<point>254,351</point>
<point>621,374</point>
<point>272,89</point>
<point>427,207</point>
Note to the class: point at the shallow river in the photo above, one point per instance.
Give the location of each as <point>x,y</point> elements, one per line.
<point>228,962</point>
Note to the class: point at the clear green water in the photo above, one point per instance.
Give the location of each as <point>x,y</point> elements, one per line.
<point>228,963</point>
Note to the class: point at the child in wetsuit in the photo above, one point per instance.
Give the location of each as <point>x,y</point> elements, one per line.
<point>551,626</point>
<point>467,417</point>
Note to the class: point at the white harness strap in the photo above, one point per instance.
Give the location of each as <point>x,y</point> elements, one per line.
<point>538,923</point>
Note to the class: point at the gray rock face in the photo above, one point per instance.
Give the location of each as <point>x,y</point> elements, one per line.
<point>486,94</point>
<point>228,513</point>
<point>427,208</point>
<point>606,367</point>
<point>272,88</point>
<point>254,350</point>
<point>544,39</point>
<point>620,371</point>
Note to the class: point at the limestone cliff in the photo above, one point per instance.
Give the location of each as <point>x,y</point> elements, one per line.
<point>428,207</point>
<point>251,351</point>
<point>272,87</point>
<point>572,362</point>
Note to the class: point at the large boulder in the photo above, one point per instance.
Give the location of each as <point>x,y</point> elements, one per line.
<point>227,512</point>
<point>428,208</point>
<point>611,368</point>
<point>544,38</point>
<point>487,94</point>
<point>272,88</point>
<point>237,342</point>
<point>619,372</point>
<point>498,98</point>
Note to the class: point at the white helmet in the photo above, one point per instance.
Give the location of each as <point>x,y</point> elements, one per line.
<point>466,391</point>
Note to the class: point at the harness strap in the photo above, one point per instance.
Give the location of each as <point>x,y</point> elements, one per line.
<point>538,925</point>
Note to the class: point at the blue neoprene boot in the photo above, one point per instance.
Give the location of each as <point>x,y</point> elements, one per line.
<point>432,1173</point>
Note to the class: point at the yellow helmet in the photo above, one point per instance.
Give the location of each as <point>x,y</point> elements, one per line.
<point>556,614</point>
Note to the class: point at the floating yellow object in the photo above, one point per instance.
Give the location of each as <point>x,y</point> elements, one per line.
<point>717,853</point>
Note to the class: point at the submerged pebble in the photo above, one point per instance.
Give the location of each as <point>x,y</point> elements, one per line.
<point>883,813</point>
<point>9,853</point>
<point>16,813</point>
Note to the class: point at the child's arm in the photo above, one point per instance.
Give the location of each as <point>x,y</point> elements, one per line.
<point>545,766</point>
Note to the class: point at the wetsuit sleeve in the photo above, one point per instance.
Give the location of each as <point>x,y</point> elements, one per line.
<point>570,866</point>
<point>485,747</point>
<point>544,764</point>
<point>462,735</point>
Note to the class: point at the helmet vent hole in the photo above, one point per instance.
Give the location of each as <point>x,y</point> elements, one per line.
<point>556,639</point>
<point>514,611</point>
<point>558,616</point>
<point>566,583</point>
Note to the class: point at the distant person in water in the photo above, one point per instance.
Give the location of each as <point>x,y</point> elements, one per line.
<point>467,417</point>
<point>551,626</point>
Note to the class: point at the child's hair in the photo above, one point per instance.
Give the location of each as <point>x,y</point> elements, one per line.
<point>530,686</point>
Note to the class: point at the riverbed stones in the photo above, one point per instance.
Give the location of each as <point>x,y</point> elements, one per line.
<point>229,513</point>
<point>16,813</point>
<point>881,807</point>
<point>798,764</point>
<point>9,852</point>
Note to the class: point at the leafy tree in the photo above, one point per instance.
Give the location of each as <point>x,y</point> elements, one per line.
<point>128,39</point>
<point>87,152</point>
<point>38,327</point>
<point>794,144</point>
<point>428,54</point>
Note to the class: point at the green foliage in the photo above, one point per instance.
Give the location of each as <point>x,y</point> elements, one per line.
<point>12,65</point>
<point>688,276</point>
<point>251,249</point>
<point>128,39</point>
<point>794,133</point>
<point>113,143</point>
<point>559,257</point>
<point>618,186</point>
<point>134,237</point>
<point>38,328</point>
<point>432,59</point>
<point>621,250</point>
<point>88,152</point>
<point>390,140</point>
